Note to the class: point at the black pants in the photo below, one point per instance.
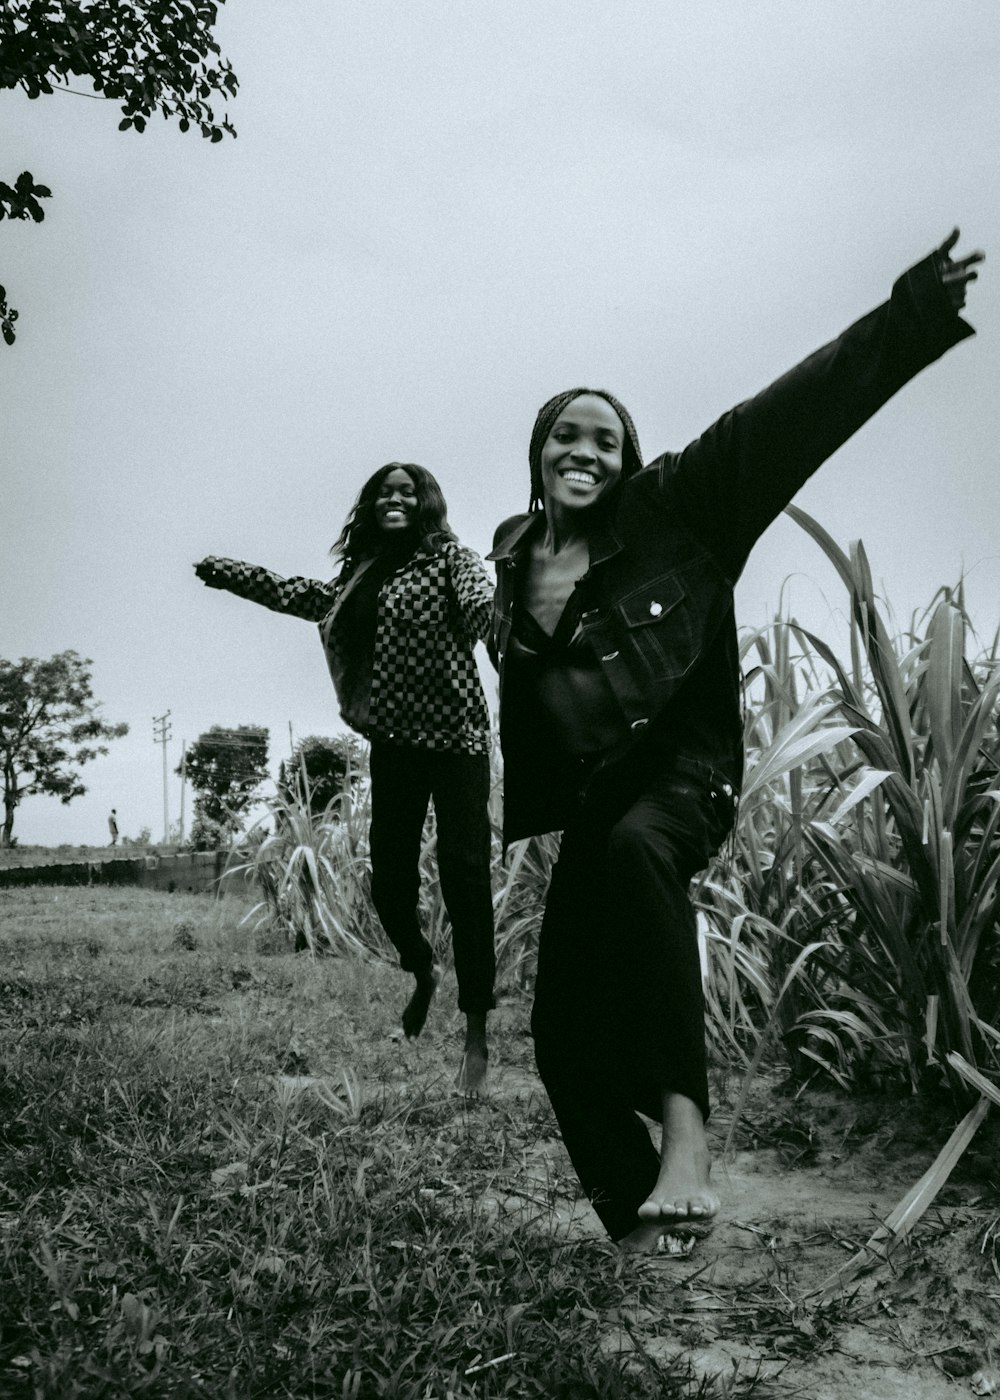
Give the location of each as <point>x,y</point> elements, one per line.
<point>403,782</point>
<point>618,1018</point>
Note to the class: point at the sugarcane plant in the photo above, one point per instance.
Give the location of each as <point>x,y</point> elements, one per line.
<point>769,918</point>
<point>915,849</point>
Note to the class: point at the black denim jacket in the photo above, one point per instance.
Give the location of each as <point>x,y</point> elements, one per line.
<point>669,546</point>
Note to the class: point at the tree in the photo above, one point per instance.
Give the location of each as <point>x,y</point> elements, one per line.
<point>226,768</point>
<point>49,725</point>
<point>331,767</point>
<point>147,55</point>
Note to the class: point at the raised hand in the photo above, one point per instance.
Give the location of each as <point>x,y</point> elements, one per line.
<point>956,274</point>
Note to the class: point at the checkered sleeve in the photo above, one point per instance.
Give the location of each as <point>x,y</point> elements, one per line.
<point>471,587</point>
<point>308,598</point>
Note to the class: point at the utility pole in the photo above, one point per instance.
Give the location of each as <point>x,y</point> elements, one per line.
<point>183,781</point>
<point>161,733</point>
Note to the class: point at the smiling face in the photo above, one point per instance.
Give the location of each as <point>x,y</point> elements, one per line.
<point>395,505</point>
<point>582,456</point>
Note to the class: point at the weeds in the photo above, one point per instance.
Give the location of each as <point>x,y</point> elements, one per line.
<point>182,1216</point>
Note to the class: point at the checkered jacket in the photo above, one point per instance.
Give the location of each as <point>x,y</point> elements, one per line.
<point>425,686</point>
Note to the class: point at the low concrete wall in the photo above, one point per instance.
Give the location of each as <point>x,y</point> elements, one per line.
<point>195,871</point>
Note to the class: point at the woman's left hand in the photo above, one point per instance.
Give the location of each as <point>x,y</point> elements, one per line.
<point>956,275</point>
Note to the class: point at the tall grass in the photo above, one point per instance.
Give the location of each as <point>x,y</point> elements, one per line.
<point>859,917</point>
<point>918,857</point>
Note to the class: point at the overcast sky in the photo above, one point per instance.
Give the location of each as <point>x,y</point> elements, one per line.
<point>435,216</point>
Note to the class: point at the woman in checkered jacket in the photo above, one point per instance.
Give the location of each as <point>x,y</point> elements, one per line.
<point>399,625</point>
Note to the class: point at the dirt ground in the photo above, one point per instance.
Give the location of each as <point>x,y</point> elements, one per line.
<point>801,1195</point>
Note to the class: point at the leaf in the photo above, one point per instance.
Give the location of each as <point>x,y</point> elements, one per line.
<point>913,1205</point>
<point>873,778</point>
<point>972,1076</point>
<point>943,679</point>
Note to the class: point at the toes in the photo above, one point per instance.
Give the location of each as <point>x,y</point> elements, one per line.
<point>659,1210</point>
<point>672,1211</point>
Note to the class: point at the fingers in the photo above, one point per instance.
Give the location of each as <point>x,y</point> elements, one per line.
<point>958,273</point>
<point>948,265</point>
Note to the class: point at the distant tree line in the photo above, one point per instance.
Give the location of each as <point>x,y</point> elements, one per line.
<point>50,725</point>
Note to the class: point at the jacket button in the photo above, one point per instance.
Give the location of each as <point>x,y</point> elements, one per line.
<point>639,723</point>
<point>610,656</point>
<point>655,608</point>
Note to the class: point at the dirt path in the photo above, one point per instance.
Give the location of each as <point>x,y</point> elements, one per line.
<point>744,1304</point>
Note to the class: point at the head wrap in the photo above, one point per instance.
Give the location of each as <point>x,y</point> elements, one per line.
<point>547,415</point>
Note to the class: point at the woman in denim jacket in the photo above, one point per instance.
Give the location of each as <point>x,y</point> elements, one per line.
<point>399,624</point>
<point>615,639</point>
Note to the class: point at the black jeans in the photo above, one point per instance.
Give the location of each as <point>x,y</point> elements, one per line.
<point>618,1018</point>
<point>404,780</point>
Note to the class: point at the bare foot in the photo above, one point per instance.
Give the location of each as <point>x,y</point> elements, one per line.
<point>682,1198</point>
<point>472,1071</point>
<point>415,1010</point>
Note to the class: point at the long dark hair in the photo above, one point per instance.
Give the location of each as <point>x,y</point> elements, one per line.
<point>361,537</point>
<point>547,415</point>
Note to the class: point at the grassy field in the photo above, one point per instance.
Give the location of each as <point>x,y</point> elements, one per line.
<point>224,1176</point>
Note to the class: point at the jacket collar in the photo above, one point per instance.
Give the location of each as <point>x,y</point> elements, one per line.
<point>514,533</point>
<point>511,536</point>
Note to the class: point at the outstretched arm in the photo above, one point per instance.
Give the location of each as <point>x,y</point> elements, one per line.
<point>472,589</point>
<point>734,479</point>
<point>308,598</point>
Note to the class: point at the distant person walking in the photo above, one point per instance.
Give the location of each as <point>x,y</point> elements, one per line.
<point>399,625</point>
<point>113,827</point>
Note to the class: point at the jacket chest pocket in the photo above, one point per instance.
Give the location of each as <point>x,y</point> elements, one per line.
<point>419,603</point>
<point>659,628</point>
